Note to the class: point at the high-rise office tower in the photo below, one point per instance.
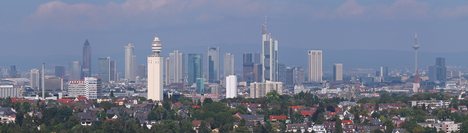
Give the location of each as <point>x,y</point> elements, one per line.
<point>383,74</point>
<point>228,64</point>
<point>86,66</point>
<point>194,67</point>
<point>130,62</point>
<point>176,63</point>
<point>200,82</point>
<point>231,86</point>
<point>315,72</point>
<point>257,73</point>
<point>248,67</point>
<point>298,75</point>
<point>338,72</point>
<point>269,57</point>
<point>155,72</point>
<point>59,71</point>
<point>43,80</point>
<point>13,73</point>
<point>89,87</point>
<point>75,70</point>
<point>213,64</point>
<point>282,74</point>
<point>113,71</point>
<point>166,71</point>
<point>104,73</point>
<point>34,76</point>
<point>438,72</point>
<point>288,76</point>
<point>142,71</point>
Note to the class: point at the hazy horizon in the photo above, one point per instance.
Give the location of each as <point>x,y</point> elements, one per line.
<point>54,31</point>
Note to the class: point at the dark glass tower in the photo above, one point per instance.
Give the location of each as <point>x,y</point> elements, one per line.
<point>194,67</point>
<point>86,66</point>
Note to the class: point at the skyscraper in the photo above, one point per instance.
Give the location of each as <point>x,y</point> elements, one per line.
<point>59,71</point>
<point>86,66</point>
<point>438,72</point>
<point>43,80</point>
<point>129,62</point>
<point>228,64</point>
<point>75,70</point>
<point>104,73</point>
<point>213,64</point>
<point>176,63</point>
<point>34,77</point>
<point>155,72</point>
<point>338,72</point>
<point>13,73</point>
<point>194,67</point>
<point>248,67</point>
<point>298,75</point>
<point>383,73</point>
<point>231,86</point>
<point>315,72</point>
<point>113,71</point>
<point>269,57</point>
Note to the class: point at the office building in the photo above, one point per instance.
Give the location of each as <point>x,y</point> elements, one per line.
<point>298,75</point>
<point>155,72</point>
<point>200,82</point>
<point>229,64</point>
<point>59,71</point>
<point>13,73</point>
<point>113,71</point>
<point>269,57</point>
<point>261,89</point>
<point>142,71</point>
<point>104,69</point>
<point>9,89</point>
<point>176,65</point>
<point>438,72</point>
<point>315,72</point>
<point>258,73</point>
<point>248,67</point>
<point>194,67</point>
<point>231,86</point>
<point>86,65</point>
<point>89,88</point>
<point>130,62</point>
<point>34,77</point>
<point>338,72</point>
<point>213,64</point>
<point>75,70</point>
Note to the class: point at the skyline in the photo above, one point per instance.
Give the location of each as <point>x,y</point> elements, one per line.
<point>316,26</point>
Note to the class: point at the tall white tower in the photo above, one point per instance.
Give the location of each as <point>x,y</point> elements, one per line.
<point>269,57</point>
<point>155,72</point>
<point>416,84</point>
<point>315,72</point>
<point>130,62</point>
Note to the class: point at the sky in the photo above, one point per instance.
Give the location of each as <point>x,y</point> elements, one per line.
<point>53,31</point>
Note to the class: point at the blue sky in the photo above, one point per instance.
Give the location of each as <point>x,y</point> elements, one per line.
<point>54,31</point>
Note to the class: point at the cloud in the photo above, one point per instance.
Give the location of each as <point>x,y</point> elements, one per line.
<point>79,15</point>
<point>350,8</point>
<point>406,8</point>
<point>455,12</point>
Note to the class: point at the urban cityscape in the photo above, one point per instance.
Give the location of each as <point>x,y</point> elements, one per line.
<point>220,87</point>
